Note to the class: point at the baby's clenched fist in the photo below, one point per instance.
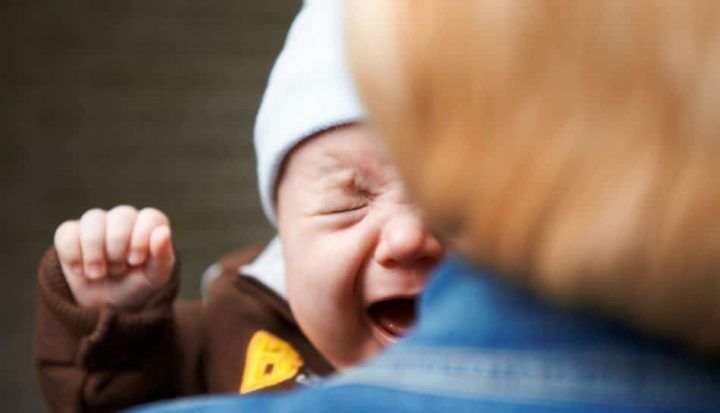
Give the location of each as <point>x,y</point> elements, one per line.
<point>119,257</point>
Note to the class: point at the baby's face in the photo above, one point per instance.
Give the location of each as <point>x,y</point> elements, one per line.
<point>357,254</point>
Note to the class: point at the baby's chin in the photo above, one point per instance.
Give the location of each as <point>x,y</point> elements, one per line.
<point>387,322</point>
<point>369,348</point>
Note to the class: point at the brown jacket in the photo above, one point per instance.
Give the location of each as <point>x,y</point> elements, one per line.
<point>242,338</point>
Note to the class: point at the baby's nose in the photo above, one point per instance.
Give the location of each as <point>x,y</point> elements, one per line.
<point>406,241</point>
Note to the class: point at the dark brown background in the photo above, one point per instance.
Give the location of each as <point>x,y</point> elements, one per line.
<point>146,102</point>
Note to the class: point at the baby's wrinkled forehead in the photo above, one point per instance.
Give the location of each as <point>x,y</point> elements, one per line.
<point>344,166</point>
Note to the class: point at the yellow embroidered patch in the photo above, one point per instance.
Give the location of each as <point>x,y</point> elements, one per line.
<point>269,361</point>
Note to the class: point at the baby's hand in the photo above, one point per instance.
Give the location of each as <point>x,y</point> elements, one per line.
<point>119,257</point>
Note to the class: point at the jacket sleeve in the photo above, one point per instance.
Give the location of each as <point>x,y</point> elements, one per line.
<point>93,360</point>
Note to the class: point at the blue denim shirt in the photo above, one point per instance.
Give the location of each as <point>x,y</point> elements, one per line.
<point>481,345</point>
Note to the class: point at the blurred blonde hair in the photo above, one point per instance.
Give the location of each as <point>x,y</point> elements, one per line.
<point>573,146</point>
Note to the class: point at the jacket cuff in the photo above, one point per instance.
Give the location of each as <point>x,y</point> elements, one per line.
<point>106,329</point>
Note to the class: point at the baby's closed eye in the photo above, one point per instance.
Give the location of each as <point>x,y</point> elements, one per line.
<point>340,213</point>
<point>343,207</point>
<point>345,193</point>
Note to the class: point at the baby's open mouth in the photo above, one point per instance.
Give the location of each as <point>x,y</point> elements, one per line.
<point>392,318</point>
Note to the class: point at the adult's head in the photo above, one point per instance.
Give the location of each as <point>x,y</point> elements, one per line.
<point>571,145</point>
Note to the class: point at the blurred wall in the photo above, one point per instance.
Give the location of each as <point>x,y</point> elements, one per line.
<point>146,102</point>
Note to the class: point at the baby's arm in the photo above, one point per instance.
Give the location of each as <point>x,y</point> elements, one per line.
<point>105,333</point>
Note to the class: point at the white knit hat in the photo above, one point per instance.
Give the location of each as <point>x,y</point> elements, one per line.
<point>309,91</point>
